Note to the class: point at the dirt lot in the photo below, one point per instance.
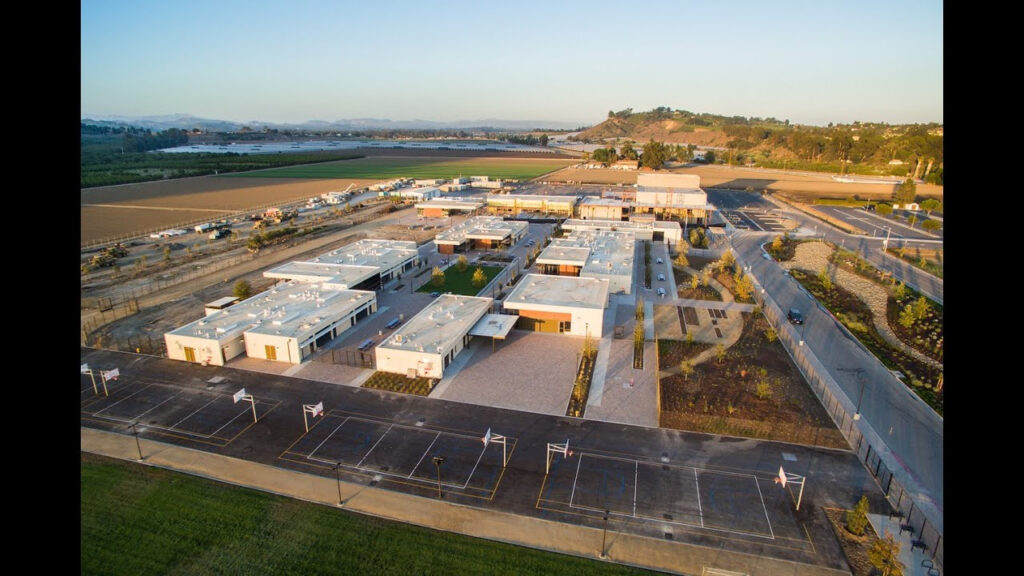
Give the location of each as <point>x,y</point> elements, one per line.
<point>815,185</point>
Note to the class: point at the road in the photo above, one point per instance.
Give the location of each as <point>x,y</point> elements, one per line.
<point>910,428</point>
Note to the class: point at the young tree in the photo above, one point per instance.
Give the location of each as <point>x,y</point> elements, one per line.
<point>728,260</point>
<point>931,225</point>
<point>242,289</point>
<point>907,316</point>
<point>883,209</point>
<point>694,282</point>
<point>777,244</point>
<point>720,353</point>
<point>912,219</point>
<point>437,277</point>
<point>899,291</point>
<point>682,260</point>
<point>884,555</point>
<point>770,335</point>
<point>921,308</point>
<point>167,252</point>
<point>462,263</point>
<point>743,285</point>
<point>686,367</point>
<point>857,519</point>
<point>479,278</point>
<point>825,279</point>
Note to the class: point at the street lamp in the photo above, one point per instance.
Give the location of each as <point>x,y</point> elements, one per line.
<point>337,475</point>
<point>138,445</point>
<point>438,460</point>
<point>856,415</point>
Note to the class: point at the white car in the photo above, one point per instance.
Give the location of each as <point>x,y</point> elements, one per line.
<point>661,292</point>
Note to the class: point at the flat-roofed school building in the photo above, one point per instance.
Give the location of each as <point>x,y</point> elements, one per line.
<point>363,265</point>
<point>444,206</point>
<point>563,304</point>
<point>656,230</point>
<point>480,233</point>
<point>286,323</point>
<point>513,204</point>
<point>602,254</point>
<point>672,195</point>
<point>429,341</point>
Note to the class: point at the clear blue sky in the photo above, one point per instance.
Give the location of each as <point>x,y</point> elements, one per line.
<point>810,62</point>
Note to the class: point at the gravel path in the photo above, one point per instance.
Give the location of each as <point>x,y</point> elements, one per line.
<point>813,256</point>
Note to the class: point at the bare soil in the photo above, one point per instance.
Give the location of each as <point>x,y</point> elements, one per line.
<point>721,398</point>
<point>855,548</point>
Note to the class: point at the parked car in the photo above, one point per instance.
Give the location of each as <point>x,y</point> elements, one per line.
<point>795,316</point>
<point>661,292</point>
<point>661,276</point>
<point>660,261</point>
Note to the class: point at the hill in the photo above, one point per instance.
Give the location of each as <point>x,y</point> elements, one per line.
<point>858,148</point>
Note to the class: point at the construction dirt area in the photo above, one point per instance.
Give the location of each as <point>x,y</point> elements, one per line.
<point>739,178</point>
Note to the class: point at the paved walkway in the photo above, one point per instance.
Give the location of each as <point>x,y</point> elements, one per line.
<point>669,556</point>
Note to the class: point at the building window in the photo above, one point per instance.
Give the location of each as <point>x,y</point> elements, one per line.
<point>565,326</point>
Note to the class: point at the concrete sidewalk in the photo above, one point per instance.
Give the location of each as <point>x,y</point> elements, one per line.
<point>669,556</point>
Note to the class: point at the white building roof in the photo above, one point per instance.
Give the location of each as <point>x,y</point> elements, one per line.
<point>443,202</point>
<point>221,302</point>
<point>544,292</point>
<point>619,225</point>
<point>438,326</point>
<point>494,326</point>
<point>563,251</point>
<point>282,308</point>
<point>339,276</point>
<point>303,314</point>
<point>599,252</point>
<point>480,228</point>
<point>595,201</point>
<point>383,254</point>
<point>530,200</point>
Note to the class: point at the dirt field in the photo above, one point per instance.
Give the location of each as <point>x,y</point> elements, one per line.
<point>817,185</point>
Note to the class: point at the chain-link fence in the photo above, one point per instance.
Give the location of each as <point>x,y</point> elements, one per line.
<point>840,408</point>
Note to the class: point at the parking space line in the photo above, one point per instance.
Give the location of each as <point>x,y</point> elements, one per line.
<point>636,482</point>
<point>700,510</point>
<point>425,452</point>
<point>360,464</point>
<point>770,531</point>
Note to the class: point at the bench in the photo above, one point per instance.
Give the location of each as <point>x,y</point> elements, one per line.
<point>368,343</point>
<point>394,322</point>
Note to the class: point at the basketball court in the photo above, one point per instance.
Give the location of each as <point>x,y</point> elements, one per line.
<point>403,454</point>
<point>674,498</point>
<point>208,416</point>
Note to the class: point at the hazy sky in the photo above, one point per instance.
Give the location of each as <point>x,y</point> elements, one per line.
<point>810,62</point>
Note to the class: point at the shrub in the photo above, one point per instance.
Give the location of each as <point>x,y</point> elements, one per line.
<point>857,519</point>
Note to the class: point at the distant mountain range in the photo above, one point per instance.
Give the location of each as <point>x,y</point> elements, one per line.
<point>188,122</point>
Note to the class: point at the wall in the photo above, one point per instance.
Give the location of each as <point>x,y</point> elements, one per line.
<point>206,349</point>
<point>400,361</point>
<point>287,348</point>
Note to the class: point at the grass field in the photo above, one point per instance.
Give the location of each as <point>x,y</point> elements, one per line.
<point>383,168</point>
<point>144,520</point>
<point>461,282</point>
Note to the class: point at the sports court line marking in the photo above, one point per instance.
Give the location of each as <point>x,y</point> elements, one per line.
<point>360,464</point>
<point>575,479</point>
<point>157,406</point>
<point>636,483</point>
<point>700,510</point>
<point>139,391</point>
<point>175,425</point>
<point>214,433</point>
<point>425,452</point>
<point>765,508</point>
<point>310,455</point>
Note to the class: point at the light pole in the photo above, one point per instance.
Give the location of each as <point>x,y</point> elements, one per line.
<point>438,460</point>
<point>337,475</point>
<point>860,377</point>
<point>604,536</point>
<point>138,445</point>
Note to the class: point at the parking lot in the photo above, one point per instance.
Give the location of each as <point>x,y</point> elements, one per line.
<point>879,226</point>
